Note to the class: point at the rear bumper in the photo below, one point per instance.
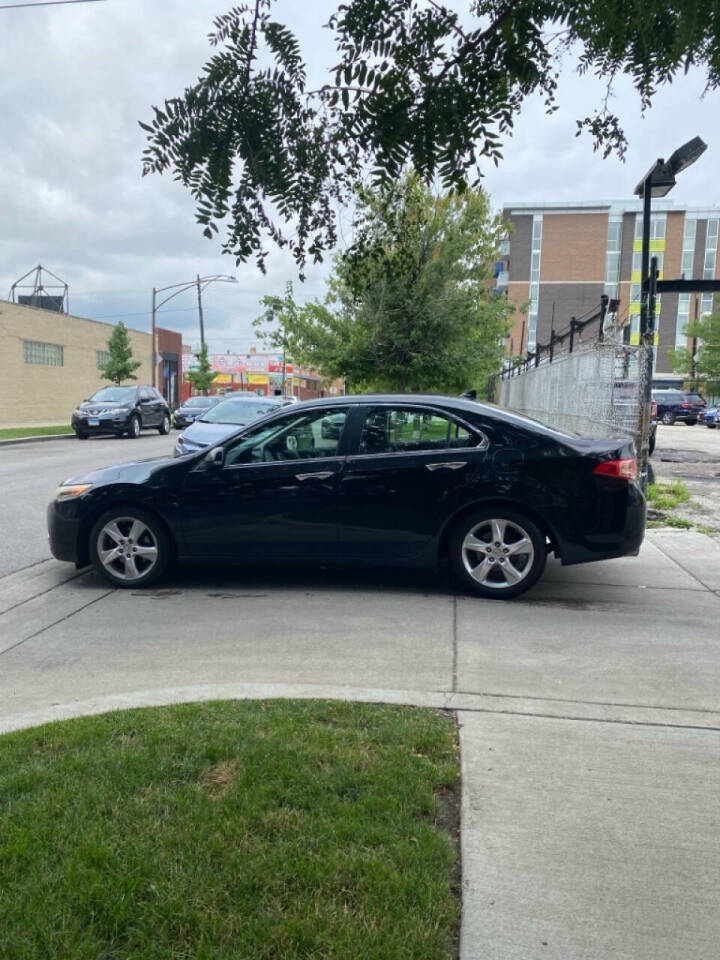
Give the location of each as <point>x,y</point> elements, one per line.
<point>606,540</point>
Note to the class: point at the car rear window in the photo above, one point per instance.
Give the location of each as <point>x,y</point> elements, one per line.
<point>694,398</point>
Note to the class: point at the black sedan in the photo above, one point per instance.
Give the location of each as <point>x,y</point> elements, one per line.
<point>409,480</point>
<point>122,411</point>
<point>192,410</point>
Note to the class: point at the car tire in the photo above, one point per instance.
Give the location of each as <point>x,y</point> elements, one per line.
<point>81,436</point>
<point>129,547</point>
<point>133,430</point>
<point>497,534</point>
<point>164,428</point>
<point>668,418</point>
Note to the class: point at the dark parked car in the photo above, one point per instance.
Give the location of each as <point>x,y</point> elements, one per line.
<point>674,405</point>
<point>710,417</point>
<point>192,410</point>
<point>123,411</point>
<point>410,480</point>
<point>235,410</point>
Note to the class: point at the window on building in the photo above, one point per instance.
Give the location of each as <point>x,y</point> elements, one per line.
<point>103,357</point>
<point>50,354</point>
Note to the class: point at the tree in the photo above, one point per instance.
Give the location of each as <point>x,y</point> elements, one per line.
<point>416,84</point>
<point>203,376</point>
<point>121,365</point>
<point>704,370</point>
<point>410,305</point>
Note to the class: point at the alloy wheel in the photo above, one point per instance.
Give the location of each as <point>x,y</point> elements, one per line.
<point>127,548</point>
<point>498,553</point>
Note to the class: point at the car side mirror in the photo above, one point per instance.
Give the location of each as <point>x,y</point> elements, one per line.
<point>215,457</point>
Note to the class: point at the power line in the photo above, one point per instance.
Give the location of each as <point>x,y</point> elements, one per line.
<point>45,3</point>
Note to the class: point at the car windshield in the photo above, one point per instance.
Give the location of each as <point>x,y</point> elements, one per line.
<point>239,411</point>
<point>200,402</point>
<point>114,394</point>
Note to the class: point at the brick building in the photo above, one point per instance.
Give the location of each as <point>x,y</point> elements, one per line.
<point>560,258</point>
<point>49,362</point>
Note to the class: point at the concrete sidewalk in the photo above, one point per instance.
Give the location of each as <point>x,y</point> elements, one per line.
<point>589,712</point>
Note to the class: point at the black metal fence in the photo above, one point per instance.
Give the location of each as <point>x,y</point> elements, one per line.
<point>564,341</point>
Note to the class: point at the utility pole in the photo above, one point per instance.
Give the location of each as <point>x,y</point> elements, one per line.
<point>153,360</point>
<point>200,311</point>
<point>284,390</point>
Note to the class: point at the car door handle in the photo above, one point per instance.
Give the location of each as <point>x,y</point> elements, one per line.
<point>322,475</point>
<point>447,465</point>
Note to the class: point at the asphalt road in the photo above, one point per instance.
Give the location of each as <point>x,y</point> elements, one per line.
<point>29,474</point>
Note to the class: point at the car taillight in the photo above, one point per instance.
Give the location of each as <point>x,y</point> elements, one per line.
<point>687,406</point>
<point>626,469</point>
<point>653,408</point>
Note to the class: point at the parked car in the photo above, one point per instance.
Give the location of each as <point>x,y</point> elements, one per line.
<point>409,480</point>
<point>192,410</point>
<point>223,419</point>
<point>674,405</point>
<point>710,417</point>
<point>123,411</point>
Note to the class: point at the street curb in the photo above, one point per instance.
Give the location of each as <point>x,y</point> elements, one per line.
<point>540,709</point>
<point>42,439</point>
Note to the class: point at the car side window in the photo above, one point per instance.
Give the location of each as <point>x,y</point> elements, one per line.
<point>412,430</point>
<point>145,394</point>
<point>302,436</point>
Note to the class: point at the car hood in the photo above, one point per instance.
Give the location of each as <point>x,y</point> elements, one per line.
<point>89,405</point>
<point>135,471</point>
<point>206,434</point>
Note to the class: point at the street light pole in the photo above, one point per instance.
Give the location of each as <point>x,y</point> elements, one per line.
<point>200,311</point>
<point>178,288</point>
<point>153,353</point>
<point>657,182</point>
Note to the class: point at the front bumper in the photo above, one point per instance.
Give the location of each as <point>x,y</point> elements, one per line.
<point>107,423</point>
<point>63,531</point>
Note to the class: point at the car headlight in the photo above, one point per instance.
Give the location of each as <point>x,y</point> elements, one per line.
<point>68,491</point>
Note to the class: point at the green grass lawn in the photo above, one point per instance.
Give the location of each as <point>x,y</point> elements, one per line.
<point>13,433</point>
<point>253,829</point>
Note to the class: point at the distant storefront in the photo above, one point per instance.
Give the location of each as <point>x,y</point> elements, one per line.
<point>261,373</point>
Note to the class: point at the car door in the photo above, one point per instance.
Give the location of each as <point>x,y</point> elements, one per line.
<point>148,407</point>
<point>413,466</point>
<point>274,498</point>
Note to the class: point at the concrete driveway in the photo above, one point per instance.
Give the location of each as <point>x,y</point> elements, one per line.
<point>589,711</point>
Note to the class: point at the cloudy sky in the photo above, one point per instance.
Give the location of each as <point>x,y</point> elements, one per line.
<point>75,80</point>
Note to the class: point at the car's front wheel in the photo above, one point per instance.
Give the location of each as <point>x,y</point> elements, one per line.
<point>133,430</point>
<point>497,553</point>
<point>129,547</point>
<point>164,428</point>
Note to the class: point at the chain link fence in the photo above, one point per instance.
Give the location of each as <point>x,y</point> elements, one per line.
<point>597,390</point>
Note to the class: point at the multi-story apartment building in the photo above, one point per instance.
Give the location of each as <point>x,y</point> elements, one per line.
<point>561,258</point>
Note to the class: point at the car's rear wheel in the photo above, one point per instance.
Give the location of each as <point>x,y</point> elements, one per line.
<point>81,436</point>
<point>129,547</point>
<point>164,428</point>
<point>497,553</point>
<point>668,418</point>
<point>133,430</point>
